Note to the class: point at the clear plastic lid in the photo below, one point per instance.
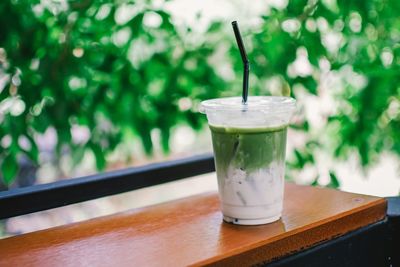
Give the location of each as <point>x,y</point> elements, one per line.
<point>253,103</point>
<point>258,111</point>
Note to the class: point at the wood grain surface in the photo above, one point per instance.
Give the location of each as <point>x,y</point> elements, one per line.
<point>190,231</point>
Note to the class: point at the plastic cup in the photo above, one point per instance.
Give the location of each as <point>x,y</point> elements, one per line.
<point>249,144</point>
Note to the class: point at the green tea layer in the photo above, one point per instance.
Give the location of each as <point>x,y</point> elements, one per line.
<point>248,149</point>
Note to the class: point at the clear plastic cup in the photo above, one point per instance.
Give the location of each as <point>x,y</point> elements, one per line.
<point>249,144</point>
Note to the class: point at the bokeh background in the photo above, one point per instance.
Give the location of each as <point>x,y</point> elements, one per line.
<point>90,86</point>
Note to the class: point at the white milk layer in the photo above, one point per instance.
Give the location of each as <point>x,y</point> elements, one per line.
<point>254,195</point>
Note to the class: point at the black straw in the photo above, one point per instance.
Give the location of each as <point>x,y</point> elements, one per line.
<point>246,63</point>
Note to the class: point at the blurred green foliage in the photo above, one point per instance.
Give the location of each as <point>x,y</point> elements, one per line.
<point>353,52</point>
<point>85,63</point>
<point>81,64</point>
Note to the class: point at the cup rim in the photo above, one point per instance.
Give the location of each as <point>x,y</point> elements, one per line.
<point>254,103</point>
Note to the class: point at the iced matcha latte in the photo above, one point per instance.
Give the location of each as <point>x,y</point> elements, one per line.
<point>249,148</point>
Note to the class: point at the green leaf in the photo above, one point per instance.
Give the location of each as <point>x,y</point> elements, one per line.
<point>165,135</point>
<point>334,183</point>
<point>9,169</point>
<point>145,136</point>
<point>315,182</point>
<point>166,23</point>
<point>215,27</point>
<point>300,159</point>
<point>136,24</point>
<point>304,126</point>
<point>99,155</point>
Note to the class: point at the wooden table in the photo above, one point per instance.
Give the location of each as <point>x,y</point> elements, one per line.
<point>190,231</point>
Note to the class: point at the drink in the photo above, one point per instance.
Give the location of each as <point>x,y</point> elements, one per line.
<point>250,169</point>
<point>249,147</point>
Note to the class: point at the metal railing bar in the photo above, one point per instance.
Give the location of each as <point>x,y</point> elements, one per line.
<point>35,198</point>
